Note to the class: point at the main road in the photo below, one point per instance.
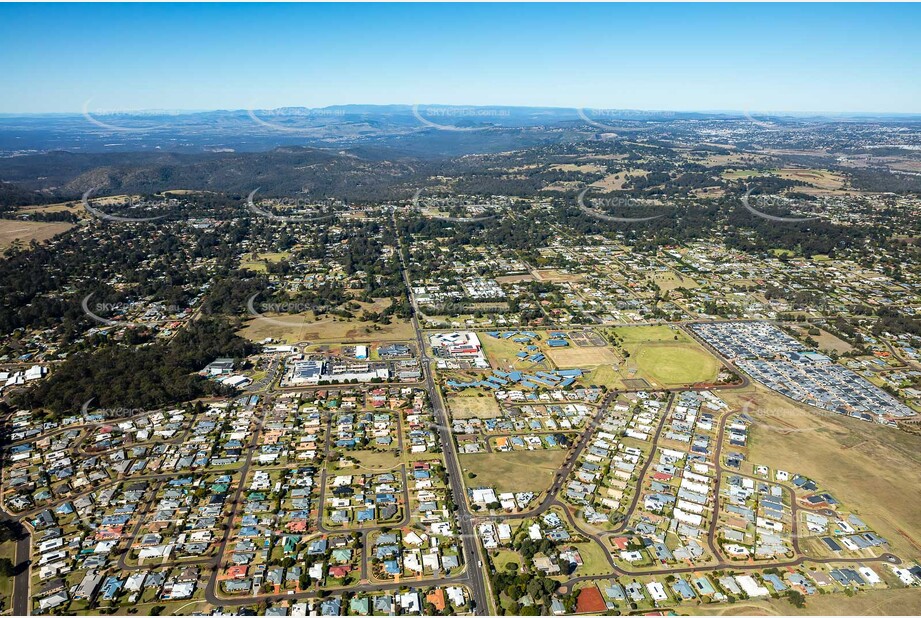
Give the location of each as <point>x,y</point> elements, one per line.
<point>476,578</point>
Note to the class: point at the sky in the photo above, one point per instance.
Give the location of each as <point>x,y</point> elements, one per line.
<point>680,57</point>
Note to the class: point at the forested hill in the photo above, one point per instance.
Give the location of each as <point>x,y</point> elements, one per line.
<point>283,171</point>
<point>143,377</point>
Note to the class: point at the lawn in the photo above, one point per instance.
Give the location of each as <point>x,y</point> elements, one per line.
<point>7,550</point>
<point>500,352</point>
<point>594,560</point>
<point>505,556</point>
<point>515,471</point>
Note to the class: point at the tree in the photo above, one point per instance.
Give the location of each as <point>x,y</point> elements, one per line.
<point>796,598</point>
<point>6,567</point>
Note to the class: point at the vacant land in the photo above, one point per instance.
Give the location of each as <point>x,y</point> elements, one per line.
<point>558,276</point>
<point>615,182</point>
<point>515,471</point>
<point>671,281</point>
<point>818,179</point>
<point>467,404</point>
<point>24,232</point>
<point>901,602</point>
<point>74,207</point>
<point>578,167</point>
<point>504,557</point>
<point>594,560</point>
<point>515,278</point>
<point>646,334</point>
<point>375,461</point>
<point>829,342</point>
<point>259,261</point>
<point>305,327</point>
<point>7,551</point>
<point>873,470</point>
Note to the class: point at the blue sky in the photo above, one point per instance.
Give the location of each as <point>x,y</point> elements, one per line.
<point>778,57</point>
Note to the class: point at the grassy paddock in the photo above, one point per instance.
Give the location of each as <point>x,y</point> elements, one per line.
<point>25,232</point>
<point>515,471</point>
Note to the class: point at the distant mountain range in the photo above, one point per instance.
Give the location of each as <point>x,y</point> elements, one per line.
<point>401,129</point>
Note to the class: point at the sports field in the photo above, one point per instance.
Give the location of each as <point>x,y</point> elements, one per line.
<point>673,365</point>
<point>580,357</point>
<point>665,356</point>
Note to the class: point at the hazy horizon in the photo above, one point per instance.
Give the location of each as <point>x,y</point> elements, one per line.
<point>461,106</point>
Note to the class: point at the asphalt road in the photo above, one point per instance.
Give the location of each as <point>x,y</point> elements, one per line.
<point>474,566</point>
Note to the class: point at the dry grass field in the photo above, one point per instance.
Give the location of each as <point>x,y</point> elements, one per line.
<point>515,278</point>
<point>822,180</point>
<point>901,602</point>
<point>571,357</point>
<point>258,261</point>
<point>556,276</point>
<point>671,281</point>
<point>873,470</point>
<point>615,182</point>
<point>466,404</point>
<point>828,342</point>
<point>305,327</point>
<point>514,471</point>
<point>74,207</point>
<point>577,167</point>
<point>24,232</point>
